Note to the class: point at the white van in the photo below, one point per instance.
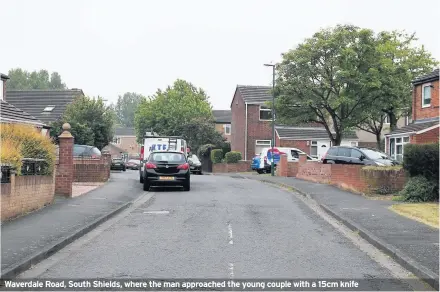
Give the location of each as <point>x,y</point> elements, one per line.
<point>160,143</point>
<point>266,157</point>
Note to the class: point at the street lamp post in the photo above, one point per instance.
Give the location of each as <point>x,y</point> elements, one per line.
<point>272,171</point>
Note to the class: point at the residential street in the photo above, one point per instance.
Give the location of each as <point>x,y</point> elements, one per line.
<point>224,227</point>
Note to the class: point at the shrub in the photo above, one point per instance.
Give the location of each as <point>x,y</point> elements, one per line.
<point>28,143</point>
<point>422,160</point>
<point>232,157</point>
<point>203,150</point>
<point>420,189</point>
<point>216,155</point>
<point>226,147</point>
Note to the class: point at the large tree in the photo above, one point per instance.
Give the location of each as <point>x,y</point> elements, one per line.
<point>22,79</point>
<point>126,107</point>
<point>347,77</point>
<point>179,110</point>
<point>91,121</point>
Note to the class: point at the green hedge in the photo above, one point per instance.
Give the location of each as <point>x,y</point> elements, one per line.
<point>216,155</point>
<point>420,189</point>
<point>422,160</point>
<point>232,157</point>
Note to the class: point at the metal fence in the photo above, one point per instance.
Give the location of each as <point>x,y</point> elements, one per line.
<point>32,166</point>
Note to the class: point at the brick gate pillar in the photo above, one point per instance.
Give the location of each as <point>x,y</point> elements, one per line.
<point>64,172</point>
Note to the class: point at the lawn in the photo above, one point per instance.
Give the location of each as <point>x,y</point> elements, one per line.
<point>423,212</point>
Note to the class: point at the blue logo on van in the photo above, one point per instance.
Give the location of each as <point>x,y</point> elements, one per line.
<point>276,155</point>
<point>155,147</point>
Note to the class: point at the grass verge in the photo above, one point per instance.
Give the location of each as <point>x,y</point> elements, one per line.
<point>426,213</point>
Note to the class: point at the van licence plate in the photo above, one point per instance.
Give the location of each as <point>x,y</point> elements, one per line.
<point>166,178</point>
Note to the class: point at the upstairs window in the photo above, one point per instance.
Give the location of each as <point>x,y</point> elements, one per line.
<point>426,95</point>
<point>227,128</point>
<point>116,140</point>
<point>48,108</point>
<point>265,113</point>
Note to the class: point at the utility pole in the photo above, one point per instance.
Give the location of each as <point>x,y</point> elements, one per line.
<point>272,168</point>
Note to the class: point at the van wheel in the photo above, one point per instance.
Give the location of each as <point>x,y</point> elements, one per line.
<point>259,171</point>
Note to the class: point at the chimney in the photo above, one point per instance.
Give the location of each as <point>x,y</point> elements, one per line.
<point>3,79</point>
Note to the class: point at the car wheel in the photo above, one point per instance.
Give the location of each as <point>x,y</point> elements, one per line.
<point>259,171</point>
<point>124,169</point>
<point>141,179</point>
<point>146,185</point>
<point>186,185</point>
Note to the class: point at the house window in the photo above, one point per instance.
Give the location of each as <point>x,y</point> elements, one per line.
<point>260,145</point>
<point>116,140</point>
<point>354,144</point>
<point>396,147</point>
<point>48,108</point>
<point>387,119</point>
<point>314,149</point>
<point>265,113</point>
<point>426,95</point>
<point>227,128</point>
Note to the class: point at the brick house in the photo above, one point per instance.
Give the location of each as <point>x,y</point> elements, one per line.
<point>222,120</point>
<point>251,124</point>
<point>11,114</point>
<point>125,139</point>
<point>425,117</point>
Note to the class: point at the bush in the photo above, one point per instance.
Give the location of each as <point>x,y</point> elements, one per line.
<point>232,157</point>
<point>216,155</point>
<point>420,189</point>
<point>422,160</point>
<point>226,147</point>
<point>22,141</point>
<point>203,150</point>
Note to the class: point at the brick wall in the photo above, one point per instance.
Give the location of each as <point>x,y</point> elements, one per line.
<point>238,123</point>
<point>355,178</point>
<point>428,112</point>
<point>431,136</point>
<point>257,130</point>
<point>25,194</point>
<point>241,166</point>
<point>92,170</point>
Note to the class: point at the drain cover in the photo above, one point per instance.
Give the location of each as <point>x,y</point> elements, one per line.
<point>157,212</point>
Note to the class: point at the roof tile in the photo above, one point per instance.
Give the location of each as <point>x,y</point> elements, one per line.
<point>222,116</point>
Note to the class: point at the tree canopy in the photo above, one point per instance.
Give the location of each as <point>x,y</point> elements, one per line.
<point>22,79</point>
<point>126,107</point>
<point>345,76</point>
<point>179,110</point>
<point>91,121</point>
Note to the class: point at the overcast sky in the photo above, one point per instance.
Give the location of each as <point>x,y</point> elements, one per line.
<point>110,47</point>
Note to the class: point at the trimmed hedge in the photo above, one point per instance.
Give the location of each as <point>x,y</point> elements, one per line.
<point>216,155</point>
<point>23,141</point>
<point>420,189</point>
<point>233,157</point>
<point>423,160</point>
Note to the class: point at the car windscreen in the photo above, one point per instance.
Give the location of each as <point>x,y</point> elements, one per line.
<point>78,150</point>
<point>167,157</point>
<point>374,154</point>
<point>194,158</point>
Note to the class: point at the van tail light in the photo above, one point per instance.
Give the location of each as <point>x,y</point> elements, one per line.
<point>184,166</point>
<point>182,149</point>
<point>142,153</point>
<point>150,166</point>
<point>265,158</point>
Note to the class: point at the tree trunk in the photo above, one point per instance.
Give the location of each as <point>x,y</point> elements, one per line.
<point>393,121</point>
<point>338,139</point>
<point>378,140</point>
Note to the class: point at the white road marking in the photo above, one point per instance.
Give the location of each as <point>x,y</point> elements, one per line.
<point>231,270</point>
<point>230,234</point>
<point>156,212</point>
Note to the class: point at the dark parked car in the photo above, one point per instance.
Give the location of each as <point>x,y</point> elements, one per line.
<point>133,164</point>
<point>195,164</point>
<point>167,168</point>
<point>357,155</point>
<point>118,164</point>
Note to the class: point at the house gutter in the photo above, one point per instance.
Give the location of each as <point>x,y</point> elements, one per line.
<point>246,134</point>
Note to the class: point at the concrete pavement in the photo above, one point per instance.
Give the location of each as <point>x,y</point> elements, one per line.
<point>223,228</point>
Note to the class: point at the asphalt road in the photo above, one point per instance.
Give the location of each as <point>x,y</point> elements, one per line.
<point>223,228</point>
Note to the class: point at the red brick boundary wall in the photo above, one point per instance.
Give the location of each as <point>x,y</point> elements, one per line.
<point>25,194</point>
<point>92,170</point>
<point>241,166</point>
<point>356,178</point>
<point>64,167</point>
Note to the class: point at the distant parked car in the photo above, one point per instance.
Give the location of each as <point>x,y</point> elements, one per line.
<point>195,164</point>
<point>118,164</point>
<point>357,155</point>
<point>133,164</point>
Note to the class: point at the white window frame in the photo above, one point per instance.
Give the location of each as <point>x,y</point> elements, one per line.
<point>259,143</point>
<point>225,127</point>
<point>407,120</point>
<point>386,121</point>
<point>314,143</point>
<point>49,108</point>
<point>423,95</point>
<point>117,140</point>
<point>264,110</point>
<point>401,143</point>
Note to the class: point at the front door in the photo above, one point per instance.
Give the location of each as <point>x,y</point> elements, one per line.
<point>323,147</point>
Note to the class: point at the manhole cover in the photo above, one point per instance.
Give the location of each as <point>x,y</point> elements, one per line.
<point>157,212</point>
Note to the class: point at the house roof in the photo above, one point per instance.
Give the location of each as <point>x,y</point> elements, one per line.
<point>307,133</point>
<point>222,116</point>
<point>3,76</point>
<point>113,147</point>
<point>11,114</point>
<point>35,101</point>
<point>414,127</point>
<point>121,131</point>
<point>253,93</point>
<point>434,75</point>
